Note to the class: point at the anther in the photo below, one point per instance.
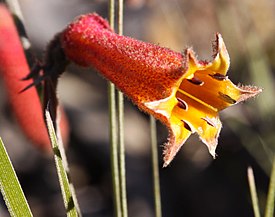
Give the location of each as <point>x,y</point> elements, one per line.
<point>227,98</point>
<point>186,126</point>
<point>182,104</point>
<point>209,122</point>
<point>219,77</point>
<point>196,81</point>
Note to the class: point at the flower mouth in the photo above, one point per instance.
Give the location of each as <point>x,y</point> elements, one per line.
<point>197,110</point>
<point>203,91</point>
<point>212,91</point>
<point>183,94</point>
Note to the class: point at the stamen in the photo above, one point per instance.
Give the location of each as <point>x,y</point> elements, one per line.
<point>182,104</point>
<point>186,126</point>
<point>209,122</point>
<point>227,98</point>
<point>219,76</point>
<point>196,81</point>
<point>198,100</point>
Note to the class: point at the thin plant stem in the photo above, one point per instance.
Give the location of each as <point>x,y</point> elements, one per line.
<point>66,166</point>
<point>62,169</point>
<point>19,21</point>
<point>155,165</point>
<point>114,149</point>
<point>120,17</point>
<point>113,129</point>
<point>253,192</point>
<point>269,210</point>
<point>122,169</point>
<point>15,8</point>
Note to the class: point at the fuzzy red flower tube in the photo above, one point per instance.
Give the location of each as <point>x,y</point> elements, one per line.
<point>26,106</point>
<point>184,93</point>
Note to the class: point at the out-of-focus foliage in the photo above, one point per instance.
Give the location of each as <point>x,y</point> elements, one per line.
<point>194,184</point>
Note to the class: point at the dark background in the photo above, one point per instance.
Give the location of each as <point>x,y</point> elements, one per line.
<point>194,185</point>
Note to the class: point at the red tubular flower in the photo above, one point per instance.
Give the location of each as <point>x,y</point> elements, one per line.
<point>182,92</point>
<point>13,67</point>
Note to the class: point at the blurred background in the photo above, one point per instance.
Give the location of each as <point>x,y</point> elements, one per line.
<point>194,184</point>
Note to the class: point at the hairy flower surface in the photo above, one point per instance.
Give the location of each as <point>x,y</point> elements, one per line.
<point>182,92</point>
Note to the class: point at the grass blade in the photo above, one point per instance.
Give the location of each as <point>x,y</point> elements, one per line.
<point>269,210</point>
<point>10,187</point>
<point>62,174</point>
<point>253,192</point>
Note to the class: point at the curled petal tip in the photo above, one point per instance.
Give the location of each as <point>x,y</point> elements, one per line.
<point>212,150</point>
<point>221,61</point>
<point>165,164</point>
<point>248,92</point>
<point>169,152</point>
<point>167,160</point>
<point>221,48</point>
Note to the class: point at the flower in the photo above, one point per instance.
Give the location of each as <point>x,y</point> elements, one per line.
<point>182,92</point>
<point>25,106</point>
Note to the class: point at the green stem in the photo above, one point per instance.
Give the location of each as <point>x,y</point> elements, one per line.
<point>114,149</point>
<point>122,155</point>
<point>156,182</point>
<point>61,166</point>
<point>269,210</point>
<point>66,167</point>
<point>121,128</point>
<point>113,129</point>
<point>253,192</point>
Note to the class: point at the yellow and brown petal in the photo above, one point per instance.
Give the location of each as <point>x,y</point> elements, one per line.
<point>203,91</point>
<point>182,92</point>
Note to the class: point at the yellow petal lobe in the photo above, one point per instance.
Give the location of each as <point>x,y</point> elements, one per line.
<point>196,99</point>
<point>221,61</point>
